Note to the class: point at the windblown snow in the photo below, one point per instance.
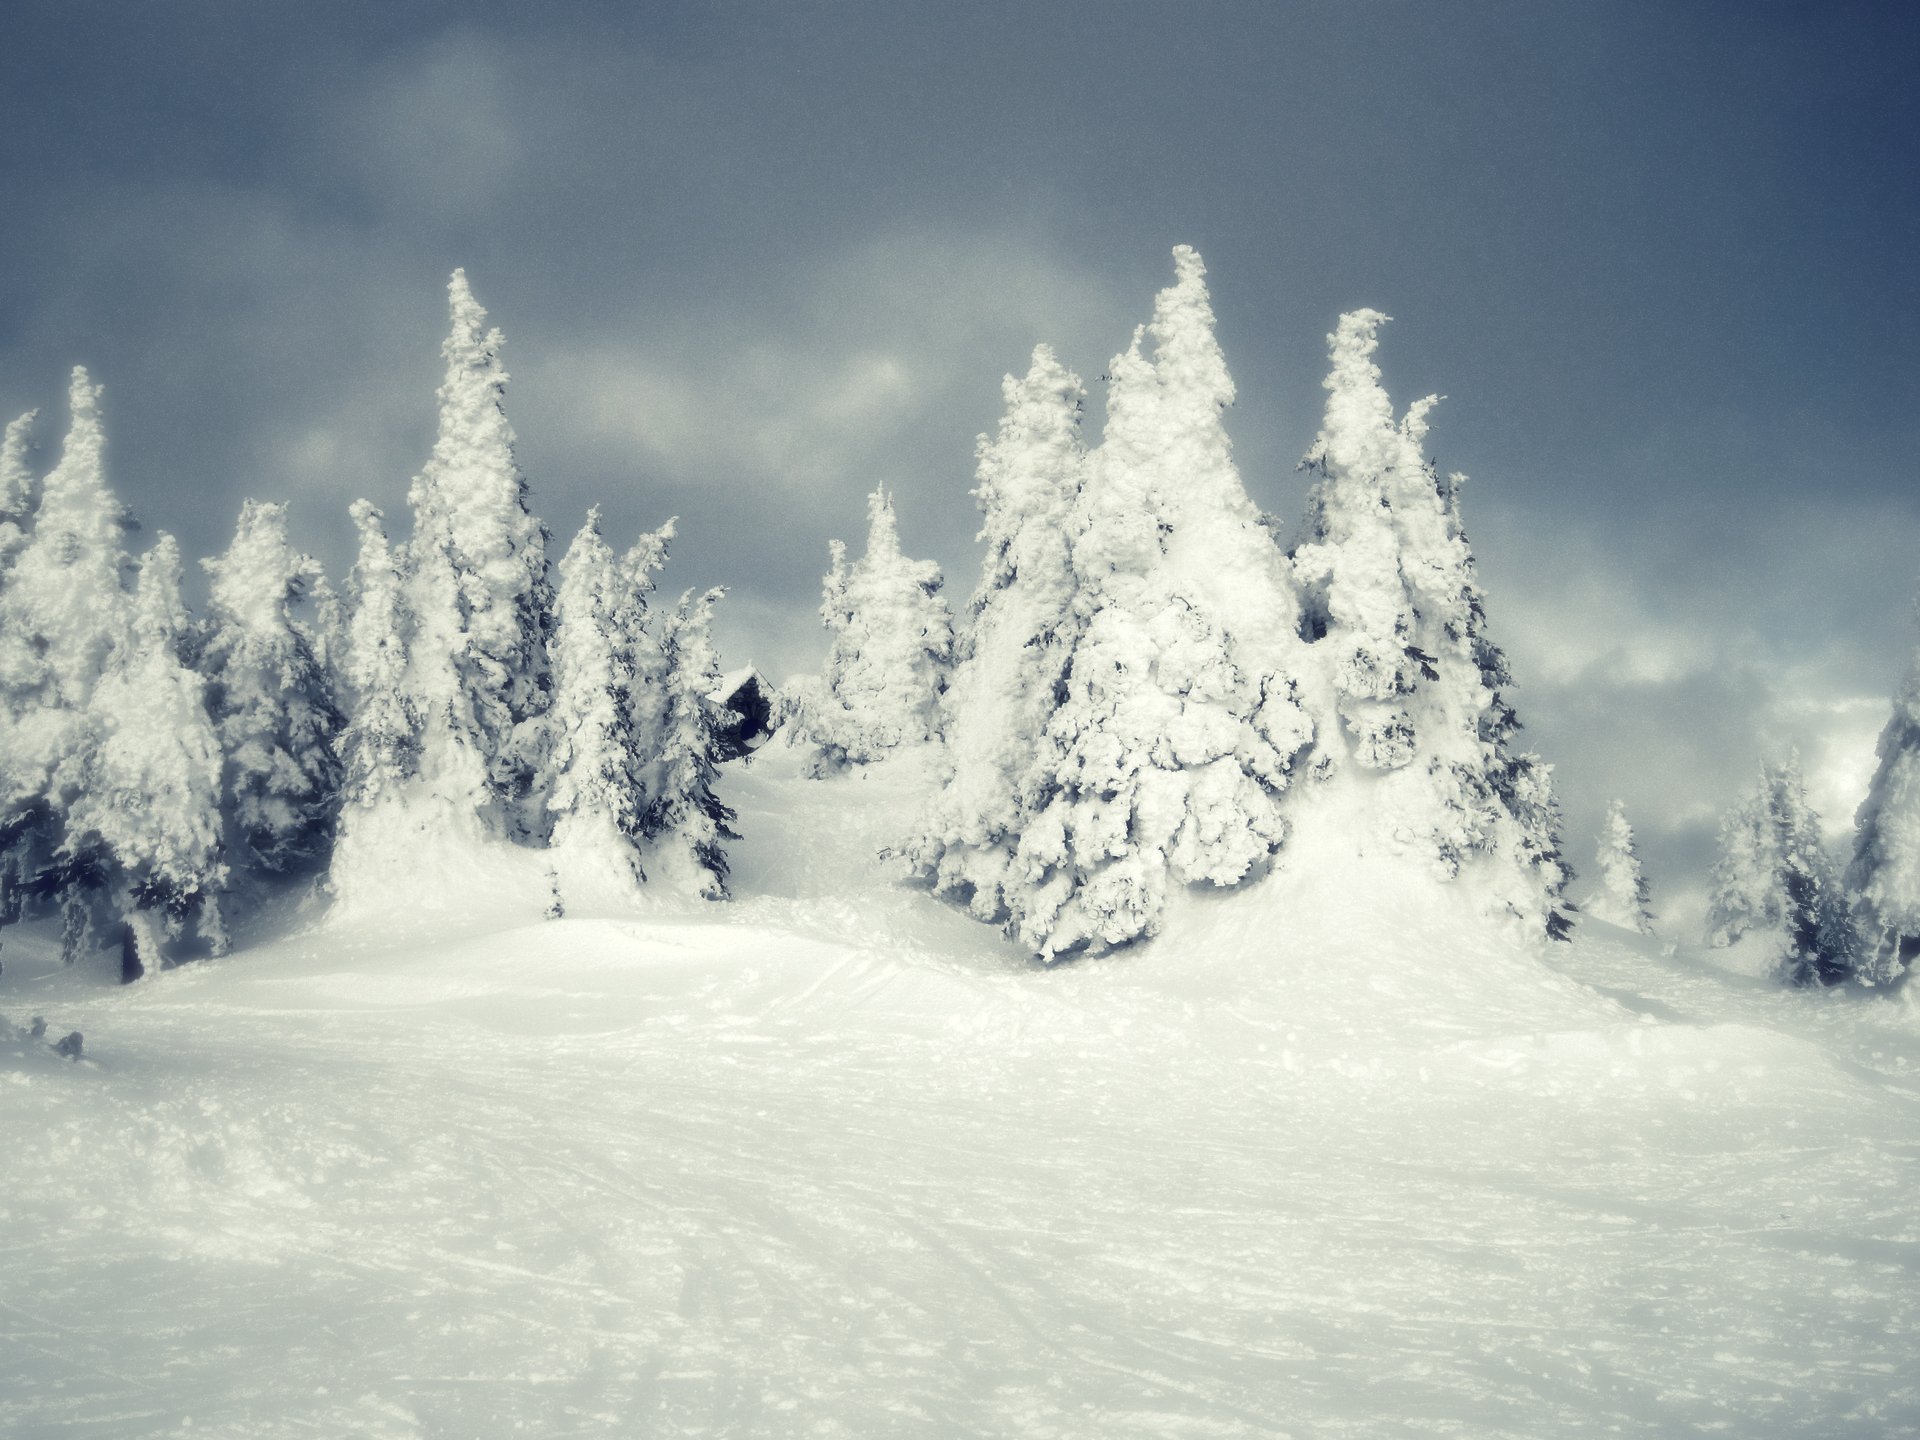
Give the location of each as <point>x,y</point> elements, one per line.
<point>1330,1157</point>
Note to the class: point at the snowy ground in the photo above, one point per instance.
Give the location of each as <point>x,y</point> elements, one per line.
<point>830,1162</point>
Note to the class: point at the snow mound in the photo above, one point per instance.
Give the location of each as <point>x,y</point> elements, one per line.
<point>411,869</point>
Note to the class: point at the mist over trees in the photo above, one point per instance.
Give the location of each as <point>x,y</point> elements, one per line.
<point>1775,886</point>
<point>1152,687</point>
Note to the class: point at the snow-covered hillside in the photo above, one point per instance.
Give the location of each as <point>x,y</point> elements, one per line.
<point>1329,1158</point>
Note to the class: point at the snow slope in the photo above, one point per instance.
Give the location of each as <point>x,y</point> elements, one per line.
<point>832,1161</point>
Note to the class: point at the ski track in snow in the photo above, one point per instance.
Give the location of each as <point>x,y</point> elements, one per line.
<point>832,1162</point>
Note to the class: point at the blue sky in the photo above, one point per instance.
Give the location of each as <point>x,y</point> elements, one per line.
<point>753,259</point>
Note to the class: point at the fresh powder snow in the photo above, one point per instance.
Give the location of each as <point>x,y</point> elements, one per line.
<point>1329,1157</point>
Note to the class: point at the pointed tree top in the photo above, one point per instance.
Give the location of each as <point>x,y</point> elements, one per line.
<point>1358,426</point>
<point>83,396</point>
<point>460,298</point>
<point>1184,348</point>
<point>159,613</point>
<point>1188,267</point>
<point>646,555</point>
<point>74,495</point>
<point>260,571</point>
<point>84,435</point>
<point>368,519</point>
<point>1045,375</point>
<point>588,544</point>
<point>883,532</point>
<point>1351,346</point>
<point>262,524</point>
<point>1045,400</point>
<point>1131,364</point>
<point>469,344</point>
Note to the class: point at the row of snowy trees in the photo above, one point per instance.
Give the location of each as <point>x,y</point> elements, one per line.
<point>154,766</point>
<point>1775,881</point>
<point>1152,686</point>
<point>1146,672</point>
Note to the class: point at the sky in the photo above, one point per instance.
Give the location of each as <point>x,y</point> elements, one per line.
<point>752,260</point>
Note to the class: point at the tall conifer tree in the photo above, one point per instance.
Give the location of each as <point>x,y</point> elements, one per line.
<point>686,821</point>
<point>478,594</point>
<point>271,698</point>
<point>150,802</point>
<point>595,792</point>
<point>1774,879</point>
<point>380,744</point>
<point>17,490</point>
<point>892,646</point>
<point>1179,720</point>
<point>1398,622</point>
<point>1620,892</point>
<point>1012,655</point>
<point>63,607</point>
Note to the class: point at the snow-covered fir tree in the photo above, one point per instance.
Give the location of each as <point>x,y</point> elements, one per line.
<point>478,595</point>
<point>17,813</point>
<point>1399,625</point>
<point>891,649</point>
<point>272,699</point>
<point>1884,873</point>
<point>1011,656</point>
<point>63,605</point>
<point>686,823</point>
<point>66,593</point>
<point>1620,892</point>
<point>595,791</point>
<point>380,744</point>
<point>641,632</point>
<point>16,490</point>
<point>1179,721</point>
<point>149,802</point>
<point>1774,880</point>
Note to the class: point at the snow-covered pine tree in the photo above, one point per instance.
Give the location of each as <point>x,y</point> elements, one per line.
<point>1884,873</point>
<point>478,594</point>
<point>595,789</point>
<point>1743,886</point>
<point>1774,879</point>
<point>327,630</point>
<point>1179,723</point>
<point>1011,657</point>
<point>272,700</point>
<point>380,744</point>
<point>1397,619</point>
<point>16,490</point>
<point>66,593</point>
<point>686,823</point>
<point>892,646</point>
<point>150,798</point>
<point>63,605</point>
<point>16,519</point>
<point>1620,894</point>
<point>641,632</point>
